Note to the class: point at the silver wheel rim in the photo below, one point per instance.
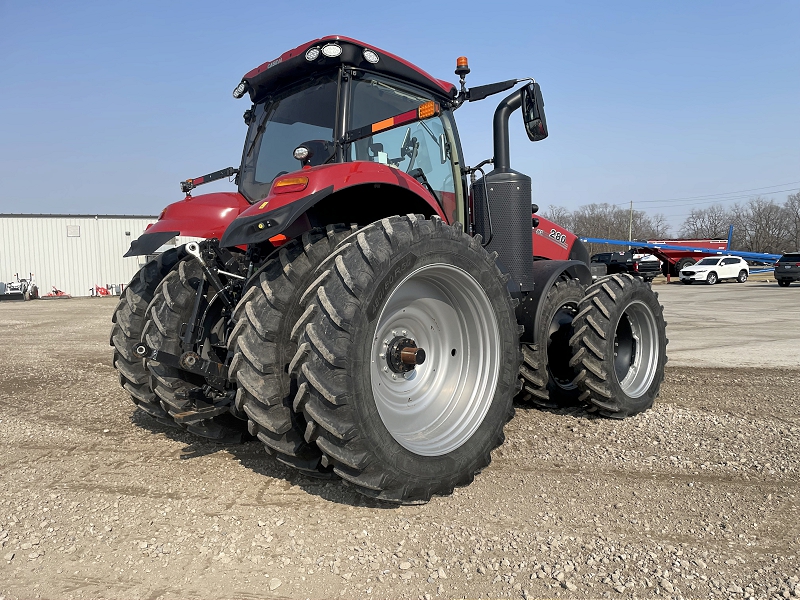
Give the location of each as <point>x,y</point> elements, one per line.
<point>435,408</point>
<point>636,352</point>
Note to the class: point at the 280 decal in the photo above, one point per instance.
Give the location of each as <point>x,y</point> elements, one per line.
<point>555,235</point>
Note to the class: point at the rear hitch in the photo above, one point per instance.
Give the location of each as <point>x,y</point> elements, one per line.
<point>215,373</point>
<point>198,408</point>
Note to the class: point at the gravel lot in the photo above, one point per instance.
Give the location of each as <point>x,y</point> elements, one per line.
<point>698,497</point>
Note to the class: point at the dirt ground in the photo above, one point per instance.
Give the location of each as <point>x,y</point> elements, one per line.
<point>696,498</point>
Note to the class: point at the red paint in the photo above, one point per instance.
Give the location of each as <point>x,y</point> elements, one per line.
<point>446,87</point>
<point>205,216</point>
<point>552,241</point>
<point>342,176</point>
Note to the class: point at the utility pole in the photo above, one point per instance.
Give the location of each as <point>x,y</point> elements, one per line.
<point>630,223</point>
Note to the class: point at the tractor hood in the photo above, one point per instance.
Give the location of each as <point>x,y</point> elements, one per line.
<point>205,216</point>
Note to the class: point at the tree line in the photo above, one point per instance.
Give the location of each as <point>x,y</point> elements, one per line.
<point>759,225</point>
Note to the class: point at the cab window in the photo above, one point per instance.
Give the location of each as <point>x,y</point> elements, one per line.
<point>420,145</point>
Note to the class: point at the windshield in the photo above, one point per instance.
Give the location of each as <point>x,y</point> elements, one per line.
<point>306,113</point>
<point>708,261</point>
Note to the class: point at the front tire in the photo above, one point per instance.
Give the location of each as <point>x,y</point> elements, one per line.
<point>405,435</point>
<point>548,378</point>
<point>619,346</point>
<point>712,278</point>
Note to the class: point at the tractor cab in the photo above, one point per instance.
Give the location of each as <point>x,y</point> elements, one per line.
<point>341,87</point>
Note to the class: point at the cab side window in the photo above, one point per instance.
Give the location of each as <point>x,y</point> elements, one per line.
<point>420,145</point>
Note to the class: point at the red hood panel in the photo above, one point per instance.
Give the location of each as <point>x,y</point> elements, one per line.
<point>204,216</point>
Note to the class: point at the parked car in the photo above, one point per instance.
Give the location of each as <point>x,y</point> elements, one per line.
<point>713,268</point>
<point>787,269</point>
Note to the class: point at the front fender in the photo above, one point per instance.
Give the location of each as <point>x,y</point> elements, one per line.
<point>276,213</point>
<point>205,216</point>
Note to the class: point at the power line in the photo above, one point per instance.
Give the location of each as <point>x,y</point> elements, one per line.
<point>722,195</point>
<point>717,201</point>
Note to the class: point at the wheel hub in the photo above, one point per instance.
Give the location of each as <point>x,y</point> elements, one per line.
<point>402,355</point>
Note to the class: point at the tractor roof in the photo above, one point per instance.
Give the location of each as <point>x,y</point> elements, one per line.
<point>297,63</point>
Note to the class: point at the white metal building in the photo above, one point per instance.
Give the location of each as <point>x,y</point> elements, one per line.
<point>71,252</point>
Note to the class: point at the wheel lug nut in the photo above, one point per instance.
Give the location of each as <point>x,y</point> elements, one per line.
<point>405,332</point>
<point>385,369</point>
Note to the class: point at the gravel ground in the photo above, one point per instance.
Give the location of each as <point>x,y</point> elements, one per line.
<point>696,498</point>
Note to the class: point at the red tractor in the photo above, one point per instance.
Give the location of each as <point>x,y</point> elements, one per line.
<point>366,303</point>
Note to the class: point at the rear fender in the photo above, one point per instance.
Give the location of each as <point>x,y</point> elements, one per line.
<point>287,213</point>
<point>545,275</point>
<point>205,216</point>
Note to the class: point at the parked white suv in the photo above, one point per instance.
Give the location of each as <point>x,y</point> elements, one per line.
<point>713,268</point>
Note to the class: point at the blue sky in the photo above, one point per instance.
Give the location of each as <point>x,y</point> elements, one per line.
<point>106,106</point>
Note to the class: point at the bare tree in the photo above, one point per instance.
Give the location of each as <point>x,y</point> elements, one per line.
<point>707,223</point>
<point>792,212</point>
<point>609,222</point>
<point>759,226</point>
<point>560,216</point>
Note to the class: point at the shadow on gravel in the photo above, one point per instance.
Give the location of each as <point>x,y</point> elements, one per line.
<point>572,410</point>
<point>252,455</point>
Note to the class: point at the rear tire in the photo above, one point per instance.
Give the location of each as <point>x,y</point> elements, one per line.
<point>712,278</point>
<point>619,346</point>
<point>548,378</point>
<point>263,347</point>
<point>742,276</point>
<point>128,323</point>
<point>784,282</point>
<point>170,308</point>
<point>405,436</point>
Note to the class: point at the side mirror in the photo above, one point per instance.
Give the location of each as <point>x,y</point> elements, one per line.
<point>442,149</point>
<point>533,112</point>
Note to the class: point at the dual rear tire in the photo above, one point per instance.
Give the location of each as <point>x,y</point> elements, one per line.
<point>619,346</point>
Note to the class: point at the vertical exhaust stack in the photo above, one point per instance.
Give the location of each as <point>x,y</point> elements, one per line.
<point>502,205</point>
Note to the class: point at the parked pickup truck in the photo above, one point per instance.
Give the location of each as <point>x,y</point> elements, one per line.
<point>645,266</point>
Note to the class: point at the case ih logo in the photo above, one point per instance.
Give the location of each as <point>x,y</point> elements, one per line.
<point>277,61</point>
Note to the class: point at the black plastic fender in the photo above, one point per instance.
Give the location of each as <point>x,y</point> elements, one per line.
<point>545,274</point>
<point>253,229</point>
